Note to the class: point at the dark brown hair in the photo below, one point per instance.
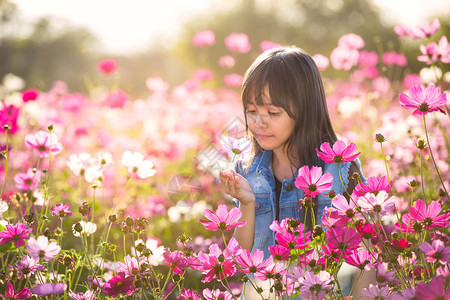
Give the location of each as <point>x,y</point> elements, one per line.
<point>294,84</point>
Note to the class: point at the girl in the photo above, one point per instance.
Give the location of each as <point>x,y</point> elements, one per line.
<point>287,120</point>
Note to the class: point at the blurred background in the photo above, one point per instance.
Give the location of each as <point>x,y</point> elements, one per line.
<point>47,40</point>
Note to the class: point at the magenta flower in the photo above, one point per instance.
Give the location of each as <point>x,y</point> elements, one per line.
<point>119,284</point>
<point>406,294</point>
<point>429,216</point>
<point>204,39</point>
<point>339,154</point>
<point>189,295</point>
<point>49,289</point>
<point>107,66</point>
<point>8,116</point>
<point>28,181</point>
<point>30,95</point>
<point>383,275</point>
<point>27,266</point>
<point>343,238</point>
<point>43,142</point>
<point>374,185</point>
<point>435,290</point>
<point>271,271</point>
<point>116,99</point>
<point>11,294</point>
<point>394,58</point>
<point>15,233</point>
<point>252,263</point>
<point>42,248</point>
<point>61,211</point>
<point>423,100</point>
<point>361,259</point>
<point>176,261</point>
<point>222,219</point>
<point>280,252</point>
<point>238,42</point>
<point>436,251</point>
<point>216,265</point>
<point>344,207</point>
<point>312,182</point>
<point>299,240</point>
<point>380,204</point>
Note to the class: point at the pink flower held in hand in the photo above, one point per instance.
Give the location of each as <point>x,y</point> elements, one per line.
<point>107,66</point>
<point>423,100</point>
<point>30,94</point>
<point>236,148</point>
<point>339,154</point>
<point>42,248</point>
<point>222,219</point>
<point>137,165</point>
<point>44,143</point>
<point>312,182</point>
<point>15,233</point>
<point>238,42</point>
<point>204,39</point>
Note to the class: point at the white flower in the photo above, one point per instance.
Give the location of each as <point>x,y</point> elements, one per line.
<point>104,158</point>
<point>236,148</point>
<point>3,208</point>
<point>93,173</point>
<point>136,164</point>
<point>78,163</point>
<point>13,83</point>
<point>88,228</point>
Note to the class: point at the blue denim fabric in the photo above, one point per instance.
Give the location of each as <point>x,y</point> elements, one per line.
<point>260,176</point>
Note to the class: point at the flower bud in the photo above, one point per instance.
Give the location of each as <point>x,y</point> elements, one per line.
<point>380,138</point>
<point>421,144</point>
<point>113,218</point>
<point>331,194</point>
<point>129,221</point>
<point>85,209</point>
<point>30,219</point>
<point>78,228</point>
<point>6,127</point>
<point>50,127</point>
<point>414,183</point>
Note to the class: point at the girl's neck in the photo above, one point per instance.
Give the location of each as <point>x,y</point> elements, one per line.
<point>281,165</point>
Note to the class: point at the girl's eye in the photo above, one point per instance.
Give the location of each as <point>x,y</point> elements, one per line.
<point>250,111</point>
<point>274,113</point>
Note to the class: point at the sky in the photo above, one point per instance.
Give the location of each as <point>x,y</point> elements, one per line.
<point>125,26</point>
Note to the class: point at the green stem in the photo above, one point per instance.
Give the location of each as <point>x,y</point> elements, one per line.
<point>385,163</point>
<point>6,163</point>
<point>422,175</point>
<point>432,157</point>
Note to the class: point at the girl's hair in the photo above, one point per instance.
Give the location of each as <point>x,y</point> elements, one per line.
<point>294,84</point>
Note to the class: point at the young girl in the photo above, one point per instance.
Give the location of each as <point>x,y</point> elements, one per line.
<point>287,120</point>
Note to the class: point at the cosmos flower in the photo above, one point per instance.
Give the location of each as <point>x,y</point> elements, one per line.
<point>222,219</point>
<point>49,289</point>
<point>44,143</point>
<point>312,182</point>
<point>339,153</point>
<point>40,247</point>
<point>423,100</point>
<point>15,233</point>
<point>61,211</point>
<point>136,164</point>
<point>107,66</point>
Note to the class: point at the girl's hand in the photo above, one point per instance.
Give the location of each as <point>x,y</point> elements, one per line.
<point>237,186</point>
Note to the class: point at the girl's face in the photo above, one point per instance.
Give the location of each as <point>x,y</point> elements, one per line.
<point>270,125</point>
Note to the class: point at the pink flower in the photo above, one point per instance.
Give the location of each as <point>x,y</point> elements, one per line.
<point>343,238</point>
<point>204,75</point>
<point>22,294</point>
<point>116,99</point>
<point>429,216</point>
<point>216,294</point>
<point>437,251</point>
<point>339,154</point>
<point>137,165</point>
<point>216,265</point>
<point>73,102</point>
<point>44,143</point>
<point>312,182</point>
<point>383,276</point>
<point>233,80</point>
<point>321,281</point>
<point>42,248</point>
<point>227,61</point>
<point>176,261</point>
<point>361,259</point>
<point>8,116</point>
<point>393,58</point>
<point>410,80</point>
<point>189,295</point>
<point>344,58</point>
<point>222,219</point>
<point>267,45</point>
<point>120,284</point>
<point>271,271</point>
<point>236,148</point>
<point>279,252</point>
<point>378,204</point>
<point>204,39</point>
<point>107,66</point>
<point>375,292</point>
<point>425,29</point>
<point>368,59</point>
<point>298,240</point>
<point>374,185</point>
<point>49,289</point>
<point>61,211</point>
<point>350,41</point>
<point>406,294</point>
<point>443,50</point>
<point>435,290</point>
<point>130,267</point>
<point>30,95</point>
<point>322,62</point>
<point>238,42</point>
<point>27,266</point>
<point>423,100</point>
<point>28,181</point>
<point>88,295</point>
<point>252,263</point>
<point>402,31</point>
<point>15,233</point>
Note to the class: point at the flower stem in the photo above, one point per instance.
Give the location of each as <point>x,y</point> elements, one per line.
<point>6,163</point>
<point>385,164</point>
<point>432,157</point>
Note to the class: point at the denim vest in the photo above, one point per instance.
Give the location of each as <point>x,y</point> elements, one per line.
<point>260,176</point>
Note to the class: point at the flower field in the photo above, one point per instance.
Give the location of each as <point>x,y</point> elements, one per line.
<point>108,196</point>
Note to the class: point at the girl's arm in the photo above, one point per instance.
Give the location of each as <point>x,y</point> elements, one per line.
<point>238,187</point>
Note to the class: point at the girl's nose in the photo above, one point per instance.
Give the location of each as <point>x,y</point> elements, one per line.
<point>260,120</point>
